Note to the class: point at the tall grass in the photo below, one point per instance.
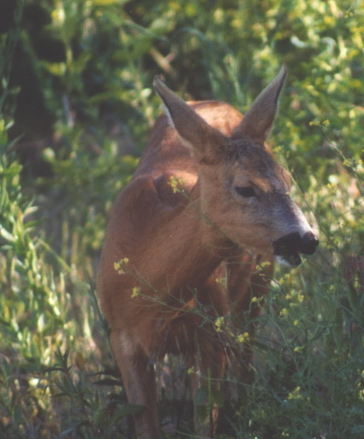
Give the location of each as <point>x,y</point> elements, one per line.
<point>57,373</point>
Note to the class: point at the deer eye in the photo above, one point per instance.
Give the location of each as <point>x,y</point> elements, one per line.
<point>246,192</point>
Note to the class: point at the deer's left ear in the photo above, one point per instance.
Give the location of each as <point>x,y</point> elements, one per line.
<point>202,139</point>
<point>258,121</point>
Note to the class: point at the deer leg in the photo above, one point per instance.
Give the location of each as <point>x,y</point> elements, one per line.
<point>248,284</point>
<point>139,382</point>
<point>207,387</point>
<point>210,359</point>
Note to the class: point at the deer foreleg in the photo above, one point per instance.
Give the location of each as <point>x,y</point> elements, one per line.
<point>139,382</point>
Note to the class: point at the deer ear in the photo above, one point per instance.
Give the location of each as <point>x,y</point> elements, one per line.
<point>258,121</point>
<point>202,139</point>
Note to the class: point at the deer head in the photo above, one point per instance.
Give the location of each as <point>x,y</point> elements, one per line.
<point>244,192</point>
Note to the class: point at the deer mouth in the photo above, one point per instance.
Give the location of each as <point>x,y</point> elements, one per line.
<point>288,248</point>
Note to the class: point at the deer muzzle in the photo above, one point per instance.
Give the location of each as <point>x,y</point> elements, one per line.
<point>287,249</point>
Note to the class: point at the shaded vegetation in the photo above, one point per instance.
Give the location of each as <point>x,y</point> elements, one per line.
<point>76,106</point>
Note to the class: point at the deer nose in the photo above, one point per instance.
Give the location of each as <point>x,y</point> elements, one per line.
<point>294,243</point>
<point>308,244</point>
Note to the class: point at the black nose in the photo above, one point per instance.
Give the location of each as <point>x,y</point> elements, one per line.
<point>293,243</point>
<point>308,244</point>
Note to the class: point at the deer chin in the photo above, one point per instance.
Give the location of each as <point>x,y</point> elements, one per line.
<point>291,260</point>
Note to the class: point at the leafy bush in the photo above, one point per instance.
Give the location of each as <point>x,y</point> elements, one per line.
<point>76,106</point>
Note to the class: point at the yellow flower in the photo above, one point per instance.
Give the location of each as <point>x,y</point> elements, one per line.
<point>136,292</point>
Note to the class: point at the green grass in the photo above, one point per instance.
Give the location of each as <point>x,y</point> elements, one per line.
<point>57,373</point>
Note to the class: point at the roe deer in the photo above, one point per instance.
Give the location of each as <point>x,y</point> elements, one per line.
<point>208,196</point>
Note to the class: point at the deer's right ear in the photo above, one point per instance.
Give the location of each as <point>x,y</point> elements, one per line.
<point>204,141</point>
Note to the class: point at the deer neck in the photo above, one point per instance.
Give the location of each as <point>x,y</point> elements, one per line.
<point>188,252</point>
